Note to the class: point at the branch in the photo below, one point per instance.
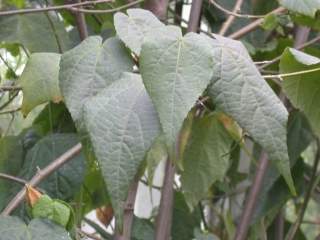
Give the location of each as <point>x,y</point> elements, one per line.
<point>81,24</point>
<point>310,189</point>
<point>252,26</point>
<point>158,8</point>
<point>235,11</point>
<point>11,111</point>
<point>299,47</point>
<point>280,76</point>
<point>252,197</point>
<point>41,175</point>
<point>101,11</point>
<point>13,178</point>
<point>164,218</point>
<point>195,16</point>
<point>72,7</point>
<point>10,88</point>
<point>226,25</point>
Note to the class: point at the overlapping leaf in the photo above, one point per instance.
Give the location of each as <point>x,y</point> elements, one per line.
<point>135,27</point>
<point>175,70</point>
<point>239,90</point>
<point>66,181</point>
<point>38,229</point>
<point>11,159</point>
<point>40,81</point>
<point>38,32</point>
<point>206,157</point>
<point>90,67</point>
<point>303,90</point>
<point>122,125</point>
<point>306,7</point>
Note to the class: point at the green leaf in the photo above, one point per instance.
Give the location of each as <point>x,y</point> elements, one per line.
<point>11,159</point>
<point>90,67</point>
<point>299,137</point>
<point>35,31</point>
<point>39,81</point>
<point>55,210</point>
<point>38,229</point>
<point>206,157</point>
<point>302,90</point>
<point>306,7</point>
<point>175,70</point>
<point>239,90</point>
<point>66,181</point>
<point>142,229</point>
<point>136,27</point>
<point>121,139</point>
<point>183,221</point>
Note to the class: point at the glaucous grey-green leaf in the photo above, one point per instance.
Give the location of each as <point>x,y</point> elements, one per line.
<point>135,27</point>
<point>175,70</point>
<point>306,7</point>
<point>38,229</point>
<point>64,182</point>
<point>11,159</point>
<point>206,156</point>
<point>122,124</point>
<point>238,89</point>
<point>90,67</point>
<point>39,32</point>
<point>302,90</point>
<point>40,81</point>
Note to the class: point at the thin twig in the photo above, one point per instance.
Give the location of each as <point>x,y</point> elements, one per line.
<point>10,88</point>
<point>195,16</point>
<point>302,46</point>
<point>226,25</point>
<point>252,26</point>
<point>88,235</point>
<point>235,11</point>
<point>72,6</point>
<point>10,111</point>
<point>310,189</point>
<point>41,175</point>
<point>7,64</point>
<point>13,178</point>
<point>102,11</point>
<point>282,75</point>
<point>11,98</point>
<point>252,197</point>
<point>56,35</point>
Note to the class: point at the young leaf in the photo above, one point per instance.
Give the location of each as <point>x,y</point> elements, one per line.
<point>136,27</point>
<point>302,90</point>
<point>39,81</point>
<point>55,210</point>
<point>122,125</point>
<point>206,158</point>
<point>239,90</point>
<point>175,70</point>
<point>38,229</point>
<point>90,67</point>
<point>36,32</point>
<point>306,7</point>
